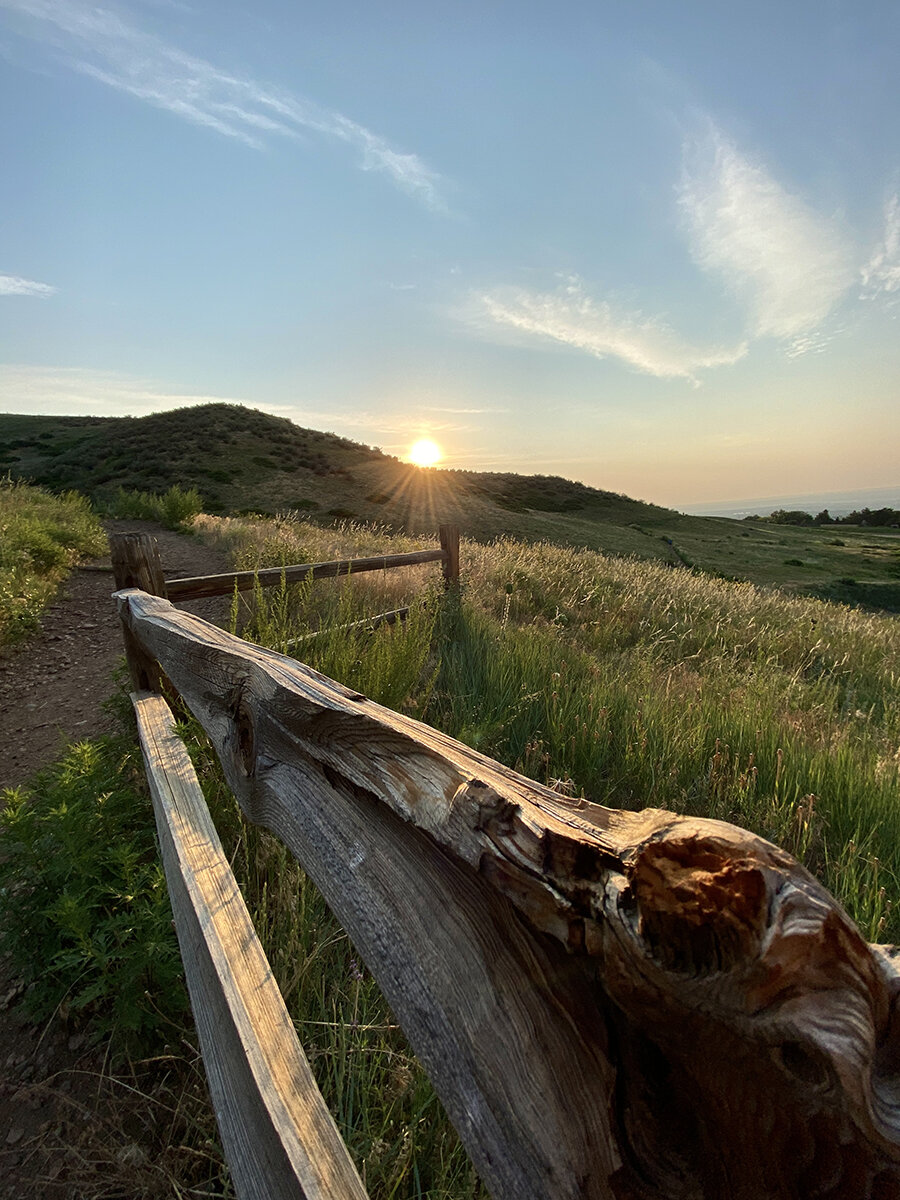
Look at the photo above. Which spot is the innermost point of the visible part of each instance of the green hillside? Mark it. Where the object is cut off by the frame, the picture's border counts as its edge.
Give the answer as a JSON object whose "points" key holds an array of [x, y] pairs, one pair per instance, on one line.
{"points": [[243, 460]]}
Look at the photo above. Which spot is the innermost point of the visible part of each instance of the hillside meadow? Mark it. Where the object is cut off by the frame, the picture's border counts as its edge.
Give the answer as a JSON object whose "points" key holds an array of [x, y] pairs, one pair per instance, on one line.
{"points": [[641, 685], [240, 459], [634, 683]]}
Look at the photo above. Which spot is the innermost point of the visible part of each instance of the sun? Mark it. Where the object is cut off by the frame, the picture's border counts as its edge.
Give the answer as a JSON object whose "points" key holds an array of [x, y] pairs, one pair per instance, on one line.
{"points": [[424, 453]]}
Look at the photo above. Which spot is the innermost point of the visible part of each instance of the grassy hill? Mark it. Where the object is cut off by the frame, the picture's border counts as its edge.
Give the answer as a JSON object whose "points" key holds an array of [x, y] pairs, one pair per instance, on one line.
{"points": [[244, 460]]}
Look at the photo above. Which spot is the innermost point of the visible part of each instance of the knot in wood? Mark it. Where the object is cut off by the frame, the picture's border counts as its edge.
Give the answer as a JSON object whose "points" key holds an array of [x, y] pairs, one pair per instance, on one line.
{"points": [[245, 735], [700, 909]]}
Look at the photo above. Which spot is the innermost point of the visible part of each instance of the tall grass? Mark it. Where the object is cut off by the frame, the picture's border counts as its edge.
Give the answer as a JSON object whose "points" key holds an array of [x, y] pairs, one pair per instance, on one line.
{"points": [[640, 685], [632, 684], [42, 537]]}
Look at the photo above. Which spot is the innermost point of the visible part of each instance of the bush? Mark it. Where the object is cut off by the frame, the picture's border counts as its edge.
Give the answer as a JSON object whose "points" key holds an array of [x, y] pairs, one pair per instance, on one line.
{"points": [[179, 506], [175, 508]]}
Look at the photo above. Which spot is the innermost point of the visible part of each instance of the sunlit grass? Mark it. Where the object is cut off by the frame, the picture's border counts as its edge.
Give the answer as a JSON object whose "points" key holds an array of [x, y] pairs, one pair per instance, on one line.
{"points": [[640, 685], [42, 537]]}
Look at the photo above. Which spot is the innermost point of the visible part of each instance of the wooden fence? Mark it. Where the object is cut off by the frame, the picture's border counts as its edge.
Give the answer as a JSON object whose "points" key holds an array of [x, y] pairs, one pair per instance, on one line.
{"points": [[616, 1005]]}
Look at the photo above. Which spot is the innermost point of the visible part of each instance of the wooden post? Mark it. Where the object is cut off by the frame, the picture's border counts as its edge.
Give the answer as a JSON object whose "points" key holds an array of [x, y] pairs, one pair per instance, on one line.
{"points": [[136, 564], [135, 560], [450, 546]]}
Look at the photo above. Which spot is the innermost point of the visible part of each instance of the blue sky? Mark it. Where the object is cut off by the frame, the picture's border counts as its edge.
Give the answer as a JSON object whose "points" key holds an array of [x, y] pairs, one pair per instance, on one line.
{"points": [[651, 246]]}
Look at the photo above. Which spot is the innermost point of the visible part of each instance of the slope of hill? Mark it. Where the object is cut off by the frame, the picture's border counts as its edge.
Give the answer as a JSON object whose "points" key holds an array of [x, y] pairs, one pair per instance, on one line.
{"points": [[244, 460]]}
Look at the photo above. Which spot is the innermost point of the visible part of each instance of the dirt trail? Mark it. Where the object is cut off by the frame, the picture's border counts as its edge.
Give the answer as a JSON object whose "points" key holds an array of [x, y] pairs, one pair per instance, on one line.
{"points": [[52, 689], [51, 693]]}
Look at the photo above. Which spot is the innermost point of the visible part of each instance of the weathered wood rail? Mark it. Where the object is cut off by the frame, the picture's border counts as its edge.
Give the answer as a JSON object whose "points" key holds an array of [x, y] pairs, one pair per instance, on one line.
{"points": [[279, 1137], [136, 564], [612, 1005]]}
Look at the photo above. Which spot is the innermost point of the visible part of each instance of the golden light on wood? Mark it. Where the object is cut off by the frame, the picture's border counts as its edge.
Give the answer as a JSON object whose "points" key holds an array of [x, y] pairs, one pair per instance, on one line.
{"points": [[425, 453]]}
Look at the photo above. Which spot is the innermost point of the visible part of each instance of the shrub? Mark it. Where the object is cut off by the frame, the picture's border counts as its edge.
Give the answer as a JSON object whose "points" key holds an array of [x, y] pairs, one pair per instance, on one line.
{"points": [[175, 508], [179, 506]]}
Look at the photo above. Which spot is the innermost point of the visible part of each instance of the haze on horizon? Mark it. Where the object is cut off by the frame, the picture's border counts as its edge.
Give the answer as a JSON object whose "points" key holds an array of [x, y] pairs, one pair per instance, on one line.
{"points": [[655, 249]]}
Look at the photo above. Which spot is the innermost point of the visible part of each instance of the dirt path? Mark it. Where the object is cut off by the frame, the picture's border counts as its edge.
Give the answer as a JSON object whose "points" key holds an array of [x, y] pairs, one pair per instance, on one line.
{"points": [[52, 689], [51, 693]]}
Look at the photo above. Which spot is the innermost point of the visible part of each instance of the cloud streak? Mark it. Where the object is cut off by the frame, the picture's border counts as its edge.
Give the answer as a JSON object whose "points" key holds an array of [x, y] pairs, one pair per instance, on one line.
{"points": [[80, 390], [14, 285], [98, 43], [789, 265], [881, 274], [571, 317]]}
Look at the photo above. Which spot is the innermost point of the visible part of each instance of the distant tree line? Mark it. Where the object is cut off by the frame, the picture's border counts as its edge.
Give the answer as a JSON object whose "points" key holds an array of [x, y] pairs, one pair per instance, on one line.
{"points": [[864, 516]]}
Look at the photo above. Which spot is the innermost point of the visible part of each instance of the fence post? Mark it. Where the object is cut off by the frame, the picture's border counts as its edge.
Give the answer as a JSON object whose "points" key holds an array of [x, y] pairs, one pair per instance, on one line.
{"points": [[450, 545], [136, 564]]}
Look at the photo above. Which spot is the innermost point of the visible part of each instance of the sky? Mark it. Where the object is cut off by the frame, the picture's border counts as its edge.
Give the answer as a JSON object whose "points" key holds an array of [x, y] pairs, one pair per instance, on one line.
{"points": [[654, 247]]}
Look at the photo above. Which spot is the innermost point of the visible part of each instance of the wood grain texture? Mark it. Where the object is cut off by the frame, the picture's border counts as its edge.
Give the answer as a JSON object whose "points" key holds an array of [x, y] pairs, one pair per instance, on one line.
{"points": [[136, 564], [449, 535], [279, 1137], [224, 585], [610, 1004]]}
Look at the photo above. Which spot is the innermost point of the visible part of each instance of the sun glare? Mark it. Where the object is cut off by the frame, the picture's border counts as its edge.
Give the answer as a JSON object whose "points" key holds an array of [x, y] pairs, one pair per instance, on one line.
{"points": [[425, 453]]}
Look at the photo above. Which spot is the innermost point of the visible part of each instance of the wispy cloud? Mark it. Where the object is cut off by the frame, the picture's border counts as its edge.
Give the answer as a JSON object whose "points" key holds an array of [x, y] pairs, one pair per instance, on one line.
{"points": [[100, 43], [466, 411], [881, 274], [82, 391], [14, 285], [570, 316], [788, 264]]}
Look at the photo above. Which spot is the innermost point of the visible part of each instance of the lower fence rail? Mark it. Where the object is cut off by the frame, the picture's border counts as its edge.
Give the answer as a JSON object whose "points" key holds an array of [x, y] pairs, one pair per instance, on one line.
{"points": [[279, 1137]]}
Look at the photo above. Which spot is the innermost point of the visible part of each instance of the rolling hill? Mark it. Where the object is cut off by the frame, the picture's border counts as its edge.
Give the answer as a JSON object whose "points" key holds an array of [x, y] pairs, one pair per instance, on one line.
{"points": [[244, 460]]}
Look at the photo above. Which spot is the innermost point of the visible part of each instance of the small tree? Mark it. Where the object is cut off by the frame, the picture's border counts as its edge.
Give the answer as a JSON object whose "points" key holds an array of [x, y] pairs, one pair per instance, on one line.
{"points": [[790, 516]]}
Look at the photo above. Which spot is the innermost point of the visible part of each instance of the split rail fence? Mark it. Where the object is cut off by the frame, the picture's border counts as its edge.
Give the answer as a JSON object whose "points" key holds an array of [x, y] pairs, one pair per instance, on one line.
{"points": [[611, 1005]]}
